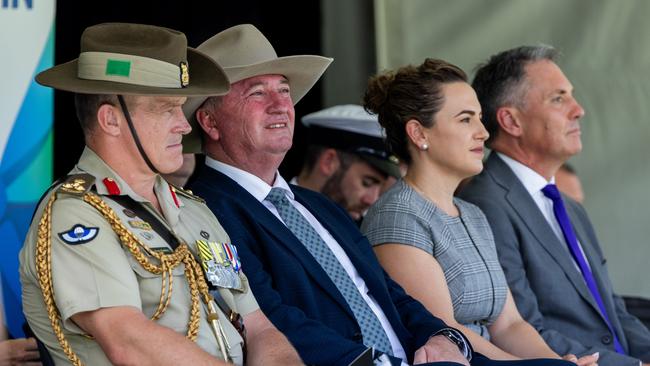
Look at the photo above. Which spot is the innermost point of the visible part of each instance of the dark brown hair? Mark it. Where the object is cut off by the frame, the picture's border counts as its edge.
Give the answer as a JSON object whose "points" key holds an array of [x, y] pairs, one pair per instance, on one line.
{"points": [[86, 106], [411, 92]]}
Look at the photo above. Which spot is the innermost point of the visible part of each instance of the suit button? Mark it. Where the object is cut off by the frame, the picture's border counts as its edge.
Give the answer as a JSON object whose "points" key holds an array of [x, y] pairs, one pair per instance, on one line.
{"points": [[358, 337], [606, 339]]}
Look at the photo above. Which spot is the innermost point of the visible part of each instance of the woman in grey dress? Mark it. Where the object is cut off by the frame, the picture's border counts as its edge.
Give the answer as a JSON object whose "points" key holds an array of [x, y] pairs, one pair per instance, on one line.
{"points": [[438, 247]]}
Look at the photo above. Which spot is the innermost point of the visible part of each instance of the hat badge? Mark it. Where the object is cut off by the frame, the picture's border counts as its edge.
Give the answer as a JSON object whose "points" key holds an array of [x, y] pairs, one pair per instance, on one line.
{"points": [[185, 74]]}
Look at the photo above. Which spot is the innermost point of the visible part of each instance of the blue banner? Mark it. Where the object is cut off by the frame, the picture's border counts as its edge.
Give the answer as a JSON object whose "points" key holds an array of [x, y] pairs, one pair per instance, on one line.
{"points": [[26, 116]]}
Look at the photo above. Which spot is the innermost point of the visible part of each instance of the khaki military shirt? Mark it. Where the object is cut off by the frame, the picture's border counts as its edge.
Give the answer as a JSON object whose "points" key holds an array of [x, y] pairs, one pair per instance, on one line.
{"points": [[92, 270]]}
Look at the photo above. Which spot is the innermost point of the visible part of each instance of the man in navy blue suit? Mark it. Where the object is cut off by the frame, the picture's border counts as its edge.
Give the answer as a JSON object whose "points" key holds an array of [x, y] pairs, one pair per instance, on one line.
{"points": [[312, 271]]}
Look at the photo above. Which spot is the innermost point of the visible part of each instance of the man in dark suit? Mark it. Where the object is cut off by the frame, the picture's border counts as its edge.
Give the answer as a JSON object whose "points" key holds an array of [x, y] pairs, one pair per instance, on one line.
{"points": [[247, 134], [545, 241], [312, 271]]}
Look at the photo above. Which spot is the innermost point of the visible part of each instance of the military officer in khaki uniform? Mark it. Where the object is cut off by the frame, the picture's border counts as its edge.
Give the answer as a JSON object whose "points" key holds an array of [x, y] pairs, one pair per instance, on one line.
{"points": [[120, 267]]}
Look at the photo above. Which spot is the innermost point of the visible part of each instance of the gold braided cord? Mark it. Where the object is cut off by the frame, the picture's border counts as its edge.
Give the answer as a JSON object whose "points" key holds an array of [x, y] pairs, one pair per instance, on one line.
{"points": [[165, 295], [44, 271], [204, 290], [197, 286], [195, 312]]}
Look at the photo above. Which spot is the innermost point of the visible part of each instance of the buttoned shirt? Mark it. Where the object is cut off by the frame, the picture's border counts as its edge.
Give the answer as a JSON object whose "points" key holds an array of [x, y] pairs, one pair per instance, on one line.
{"points": [[99, 272]]}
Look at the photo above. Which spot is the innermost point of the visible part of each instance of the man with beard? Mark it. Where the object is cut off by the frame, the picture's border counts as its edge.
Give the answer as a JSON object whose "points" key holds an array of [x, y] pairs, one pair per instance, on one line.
{"points": [[347, 159]]}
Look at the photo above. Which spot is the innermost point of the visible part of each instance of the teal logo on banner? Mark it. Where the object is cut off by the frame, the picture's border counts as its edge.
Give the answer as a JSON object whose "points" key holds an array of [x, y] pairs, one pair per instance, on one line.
{"points": [[26, 113]]}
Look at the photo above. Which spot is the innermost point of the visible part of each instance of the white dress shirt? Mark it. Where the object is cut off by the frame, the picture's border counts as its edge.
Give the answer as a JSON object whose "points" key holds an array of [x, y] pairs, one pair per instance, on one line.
{"points": [[259, 189], [534, 183]]}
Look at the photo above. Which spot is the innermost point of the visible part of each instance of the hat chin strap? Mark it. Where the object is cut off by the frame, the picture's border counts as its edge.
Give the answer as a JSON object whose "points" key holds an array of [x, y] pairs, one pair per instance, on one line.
{"points": [[135, 135]]}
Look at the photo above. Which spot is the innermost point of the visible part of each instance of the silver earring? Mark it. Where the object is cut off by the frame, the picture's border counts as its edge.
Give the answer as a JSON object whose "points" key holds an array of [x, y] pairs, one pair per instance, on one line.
{"points": [[424, 147]]}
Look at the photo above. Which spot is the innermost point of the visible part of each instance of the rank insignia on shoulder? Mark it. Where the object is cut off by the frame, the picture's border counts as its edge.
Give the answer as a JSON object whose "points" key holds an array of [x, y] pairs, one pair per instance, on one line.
{"points": [[79, 234], [186, 193], [77, 184]]}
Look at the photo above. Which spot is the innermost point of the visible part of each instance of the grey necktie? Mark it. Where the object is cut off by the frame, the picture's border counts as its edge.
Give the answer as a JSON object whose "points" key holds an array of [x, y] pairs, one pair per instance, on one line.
{"points": [[371, 329]]}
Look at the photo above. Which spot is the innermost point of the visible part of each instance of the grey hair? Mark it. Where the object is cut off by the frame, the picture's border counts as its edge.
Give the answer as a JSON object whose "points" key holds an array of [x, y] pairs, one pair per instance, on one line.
{"points": [[501, 81]]}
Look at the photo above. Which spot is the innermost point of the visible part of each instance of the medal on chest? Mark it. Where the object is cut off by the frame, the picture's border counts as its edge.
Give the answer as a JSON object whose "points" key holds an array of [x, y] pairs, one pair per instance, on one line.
{"points": [[220, 263]]}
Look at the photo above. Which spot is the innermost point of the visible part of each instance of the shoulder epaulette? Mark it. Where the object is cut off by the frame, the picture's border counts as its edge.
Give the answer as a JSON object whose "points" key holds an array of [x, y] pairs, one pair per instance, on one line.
{"points": [[187, 193], [77, 184]]}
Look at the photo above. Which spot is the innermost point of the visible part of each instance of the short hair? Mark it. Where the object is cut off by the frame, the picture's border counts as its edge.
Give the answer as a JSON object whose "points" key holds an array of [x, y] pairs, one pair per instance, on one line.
{"points": [[500, 81], [411, 92], [211, 102], [346, 159], [313, 153], [86, 106]]}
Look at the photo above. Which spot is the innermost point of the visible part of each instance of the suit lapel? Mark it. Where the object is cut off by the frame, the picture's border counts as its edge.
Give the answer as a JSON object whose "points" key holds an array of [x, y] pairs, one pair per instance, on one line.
{"points": [[274, 227], [349, 246], [330, 223], [522, 203], [373, 276]]}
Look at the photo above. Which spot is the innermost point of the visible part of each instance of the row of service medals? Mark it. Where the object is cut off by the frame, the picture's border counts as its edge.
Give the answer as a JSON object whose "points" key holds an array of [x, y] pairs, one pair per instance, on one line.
{"points": [[220, 263]]}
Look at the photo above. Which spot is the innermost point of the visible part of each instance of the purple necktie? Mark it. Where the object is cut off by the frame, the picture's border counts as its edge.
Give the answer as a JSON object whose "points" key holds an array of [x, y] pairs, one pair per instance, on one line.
{"points": [[562, 217]]}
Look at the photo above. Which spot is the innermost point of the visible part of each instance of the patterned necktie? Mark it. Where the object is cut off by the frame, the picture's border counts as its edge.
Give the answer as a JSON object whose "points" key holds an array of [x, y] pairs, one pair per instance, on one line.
{"points": [[562, 217], [371, 329]]}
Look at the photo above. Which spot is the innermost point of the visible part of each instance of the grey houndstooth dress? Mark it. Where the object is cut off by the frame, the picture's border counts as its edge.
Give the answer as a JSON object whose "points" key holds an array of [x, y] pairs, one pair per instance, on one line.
{"points": [[464, 247]]}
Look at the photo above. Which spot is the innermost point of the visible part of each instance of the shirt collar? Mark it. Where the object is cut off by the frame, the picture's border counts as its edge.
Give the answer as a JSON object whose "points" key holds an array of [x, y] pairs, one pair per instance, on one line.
{"points": [[91, 163], [250, 182], [532, 181], [169, 202]]}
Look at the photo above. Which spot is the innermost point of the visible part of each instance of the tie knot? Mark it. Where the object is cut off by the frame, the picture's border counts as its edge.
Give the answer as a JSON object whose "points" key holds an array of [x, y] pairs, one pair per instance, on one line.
{"points": [[552, 192], [276, 196]]}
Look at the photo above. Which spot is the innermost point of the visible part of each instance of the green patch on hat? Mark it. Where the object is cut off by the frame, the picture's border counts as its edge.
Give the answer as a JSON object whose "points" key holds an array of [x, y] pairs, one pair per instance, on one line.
{"points": [[118, 68]]}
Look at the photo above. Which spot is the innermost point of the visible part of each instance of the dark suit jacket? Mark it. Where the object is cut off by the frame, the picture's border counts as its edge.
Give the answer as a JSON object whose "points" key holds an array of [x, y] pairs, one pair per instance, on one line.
{"points": [[291, 287], [548, 289]]}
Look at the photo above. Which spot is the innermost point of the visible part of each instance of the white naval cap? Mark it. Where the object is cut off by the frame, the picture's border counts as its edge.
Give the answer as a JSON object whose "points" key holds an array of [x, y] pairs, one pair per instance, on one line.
{"points": [[351, 128], [349, 117]]}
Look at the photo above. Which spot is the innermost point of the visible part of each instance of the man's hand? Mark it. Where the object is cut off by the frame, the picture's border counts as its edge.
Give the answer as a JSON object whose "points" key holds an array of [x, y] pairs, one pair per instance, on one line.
{"points": [[438, 349], [589, 360], [266, 345], [19, 352]]}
